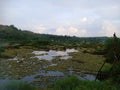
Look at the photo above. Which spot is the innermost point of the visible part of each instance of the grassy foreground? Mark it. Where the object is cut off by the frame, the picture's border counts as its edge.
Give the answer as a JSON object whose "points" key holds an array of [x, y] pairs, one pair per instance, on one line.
{"points": [[16, 85], [73, 83], [69, 83]]}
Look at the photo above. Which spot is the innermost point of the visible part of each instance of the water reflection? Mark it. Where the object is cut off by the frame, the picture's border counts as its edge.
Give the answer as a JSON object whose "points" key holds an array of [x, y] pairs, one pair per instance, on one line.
{"points": [[39, 52], [41, 75], [65, 57], [45, 57], [44, 74], [51, 54]]}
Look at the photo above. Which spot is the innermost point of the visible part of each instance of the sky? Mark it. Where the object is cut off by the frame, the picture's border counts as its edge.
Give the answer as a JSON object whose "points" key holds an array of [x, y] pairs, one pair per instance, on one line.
{"points": [[82, 18]]}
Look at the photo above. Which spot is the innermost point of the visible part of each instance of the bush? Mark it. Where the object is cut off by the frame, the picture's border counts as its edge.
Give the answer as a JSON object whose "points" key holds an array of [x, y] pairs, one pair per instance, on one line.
{"points": [[109, 48], [112, 48], [67, 84], [73, 83]]}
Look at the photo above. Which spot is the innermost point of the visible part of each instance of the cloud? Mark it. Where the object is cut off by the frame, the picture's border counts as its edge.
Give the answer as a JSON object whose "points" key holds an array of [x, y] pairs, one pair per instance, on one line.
{"points": [[84, 4], [109, 28], [71, 31], [37, 28], [110, 13], [76, 17], [84, 20]]}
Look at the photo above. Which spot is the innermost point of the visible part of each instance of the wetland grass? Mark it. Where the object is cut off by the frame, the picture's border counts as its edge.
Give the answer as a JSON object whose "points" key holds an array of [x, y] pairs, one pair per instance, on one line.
{"points": [[73, 83], [80, 61], [17, 85]]}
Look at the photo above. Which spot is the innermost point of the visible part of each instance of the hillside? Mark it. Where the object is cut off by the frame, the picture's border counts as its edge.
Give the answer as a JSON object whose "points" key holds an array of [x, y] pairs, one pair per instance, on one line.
{"points": [[13, 33]]}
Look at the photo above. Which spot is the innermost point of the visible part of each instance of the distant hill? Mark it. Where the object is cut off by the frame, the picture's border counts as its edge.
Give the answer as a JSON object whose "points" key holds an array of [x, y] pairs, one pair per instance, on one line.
{"points": [[11, 33]]}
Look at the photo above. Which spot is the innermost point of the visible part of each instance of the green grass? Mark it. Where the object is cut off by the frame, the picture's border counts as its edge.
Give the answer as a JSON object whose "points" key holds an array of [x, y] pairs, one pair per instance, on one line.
{"points": [[17, 85], [16, 70], [69, 83], [73, 83], [80, 62]]}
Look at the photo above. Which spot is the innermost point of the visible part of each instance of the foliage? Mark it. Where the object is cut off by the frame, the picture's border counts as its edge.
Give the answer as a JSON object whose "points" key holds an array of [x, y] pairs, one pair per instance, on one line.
{"points": [[73, 83], [67, 84], [15, 35], [109, 48], [112, 49]]}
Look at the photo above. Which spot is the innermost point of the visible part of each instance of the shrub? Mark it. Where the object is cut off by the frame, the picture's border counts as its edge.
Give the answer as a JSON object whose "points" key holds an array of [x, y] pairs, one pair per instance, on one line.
{"points": [[73, 83], [109, 48]]}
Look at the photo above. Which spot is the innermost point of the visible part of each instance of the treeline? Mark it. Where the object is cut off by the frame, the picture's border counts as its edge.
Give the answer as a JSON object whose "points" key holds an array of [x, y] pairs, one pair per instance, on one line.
{"points": [[13, 33], [12, 36]]}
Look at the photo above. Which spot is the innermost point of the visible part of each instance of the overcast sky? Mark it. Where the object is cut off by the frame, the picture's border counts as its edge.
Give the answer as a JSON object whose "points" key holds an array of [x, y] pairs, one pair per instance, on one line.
{"points": [[63, 17]]}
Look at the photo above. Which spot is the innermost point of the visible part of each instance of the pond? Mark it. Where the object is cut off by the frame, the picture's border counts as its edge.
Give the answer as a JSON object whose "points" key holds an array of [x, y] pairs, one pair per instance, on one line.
{"points": [[37, 62], [56, 74], [51, 54], [43, 78]]}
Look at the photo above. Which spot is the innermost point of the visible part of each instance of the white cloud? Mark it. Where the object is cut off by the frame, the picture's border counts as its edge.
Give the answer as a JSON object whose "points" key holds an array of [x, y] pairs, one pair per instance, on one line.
{"points": [[109, 28], [110, 13], [88, 15], [84, 20], [71, 31], [37, 28]]}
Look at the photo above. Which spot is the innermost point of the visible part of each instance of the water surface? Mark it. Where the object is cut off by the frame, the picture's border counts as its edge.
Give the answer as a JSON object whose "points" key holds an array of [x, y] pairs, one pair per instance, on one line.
{"points": [[51, 54]]}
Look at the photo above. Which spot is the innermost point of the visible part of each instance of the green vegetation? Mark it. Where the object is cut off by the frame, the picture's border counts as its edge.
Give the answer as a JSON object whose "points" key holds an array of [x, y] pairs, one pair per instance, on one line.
{"points": [[69, 83], [109, 48], [16, 37], [112, 48], [19, 44], [17, 85], [19, 68], [80, 62], [73, 83]]}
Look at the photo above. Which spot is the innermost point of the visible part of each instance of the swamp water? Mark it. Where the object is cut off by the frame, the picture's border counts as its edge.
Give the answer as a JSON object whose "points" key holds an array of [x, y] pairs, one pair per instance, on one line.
{"points": [[51, 54], [42, 77]]}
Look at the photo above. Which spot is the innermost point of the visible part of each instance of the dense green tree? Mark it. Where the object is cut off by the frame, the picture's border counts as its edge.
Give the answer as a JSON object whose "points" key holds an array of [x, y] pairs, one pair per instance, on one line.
{"points": [[110, 50]]}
